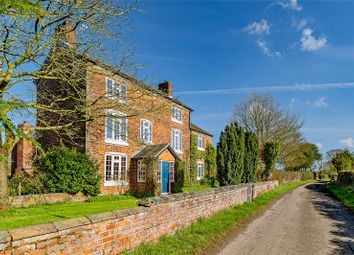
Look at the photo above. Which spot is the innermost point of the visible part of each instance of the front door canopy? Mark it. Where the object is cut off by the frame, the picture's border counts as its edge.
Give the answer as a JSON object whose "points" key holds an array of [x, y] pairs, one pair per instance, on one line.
{"points": [[154, 151]]}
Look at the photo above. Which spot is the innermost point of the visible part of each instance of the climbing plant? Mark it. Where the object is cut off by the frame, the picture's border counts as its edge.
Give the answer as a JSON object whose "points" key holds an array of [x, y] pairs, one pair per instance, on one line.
{"points": [[193, 159]]}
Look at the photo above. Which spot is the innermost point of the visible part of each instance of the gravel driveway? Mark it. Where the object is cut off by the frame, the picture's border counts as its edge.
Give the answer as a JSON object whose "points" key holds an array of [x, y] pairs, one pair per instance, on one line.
{"points": [[306, 221]]}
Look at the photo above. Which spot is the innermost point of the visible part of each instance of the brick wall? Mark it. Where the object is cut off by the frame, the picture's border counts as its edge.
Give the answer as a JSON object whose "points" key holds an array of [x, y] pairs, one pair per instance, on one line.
{"points": [[28, 200], [117, 231]]}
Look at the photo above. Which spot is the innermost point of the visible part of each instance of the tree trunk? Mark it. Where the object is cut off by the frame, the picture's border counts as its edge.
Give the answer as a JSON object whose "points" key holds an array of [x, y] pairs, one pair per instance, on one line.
{"points": [[4, 198]]}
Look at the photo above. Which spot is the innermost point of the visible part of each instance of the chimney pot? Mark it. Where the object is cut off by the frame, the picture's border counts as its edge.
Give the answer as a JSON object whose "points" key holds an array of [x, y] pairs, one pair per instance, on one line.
{"points": [[166, 87]]}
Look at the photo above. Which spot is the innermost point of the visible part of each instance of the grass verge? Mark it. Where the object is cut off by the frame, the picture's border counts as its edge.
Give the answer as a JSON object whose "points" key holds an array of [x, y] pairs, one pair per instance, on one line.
{"points": [[21, 217], [343, 194], [206, 231]]}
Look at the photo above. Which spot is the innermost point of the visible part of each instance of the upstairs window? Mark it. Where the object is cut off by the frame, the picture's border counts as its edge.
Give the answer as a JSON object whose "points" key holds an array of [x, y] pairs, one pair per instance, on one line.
{"points": [[116, 170], [177, 140], [176, 114], [116, 127], [115, 90], [200, 141], [145, 131]]}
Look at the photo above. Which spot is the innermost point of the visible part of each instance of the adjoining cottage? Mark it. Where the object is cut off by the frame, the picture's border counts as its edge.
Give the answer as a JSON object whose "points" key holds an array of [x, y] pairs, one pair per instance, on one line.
{"points": [[136, 147]]}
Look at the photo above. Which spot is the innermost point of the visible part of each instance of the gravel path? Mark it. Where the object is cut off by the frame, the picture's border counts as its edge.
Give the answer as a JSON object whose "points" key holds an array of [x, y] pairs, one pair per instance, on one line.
{"points": [[306, 221]]}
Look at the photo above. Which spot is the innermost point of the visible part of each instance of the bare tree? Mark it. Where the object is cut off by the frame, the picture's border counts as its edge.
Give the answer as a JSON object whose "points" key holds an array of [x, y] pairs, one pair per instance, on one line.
{"points": [[50, 43], [261, 114]]}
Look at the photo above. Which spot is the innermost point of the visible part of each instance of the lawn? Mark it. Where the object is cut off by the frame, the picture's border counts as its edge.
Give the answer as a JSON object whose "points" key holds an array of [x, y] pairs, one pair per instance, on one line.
{"points": [[206, 231], [344, 194], [21, 217], [197, 188]]}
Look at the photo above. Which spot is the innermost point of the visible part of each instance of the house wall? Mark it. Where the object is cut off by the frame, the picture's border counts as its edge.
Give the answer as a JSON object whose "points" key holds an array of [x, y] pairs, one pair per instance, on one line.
{"points": [[207, 139], [141, 105], [118, 231]]}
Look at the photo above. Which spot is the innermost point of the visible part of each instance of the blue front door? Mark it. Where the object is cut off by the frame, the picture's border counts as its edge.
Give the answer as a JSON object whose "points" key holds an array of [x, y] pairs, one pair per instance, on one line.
{"points": [[165, 177]]}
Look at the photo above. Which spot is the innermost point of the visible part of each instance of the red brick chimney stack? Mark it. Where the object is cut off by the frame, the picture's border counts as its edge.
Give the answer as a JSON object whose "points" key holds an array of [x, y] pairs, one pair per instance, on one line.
{"points": [[67, 33], [22, 153], [166, 87]]}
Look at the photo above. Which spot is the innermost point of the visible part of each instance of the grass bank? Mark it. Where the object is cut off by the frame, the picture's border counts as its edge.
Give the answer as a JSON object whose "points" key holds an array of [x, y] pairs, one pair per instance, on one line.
{"points": [[206, 231], [343, 194], [21, 217]]}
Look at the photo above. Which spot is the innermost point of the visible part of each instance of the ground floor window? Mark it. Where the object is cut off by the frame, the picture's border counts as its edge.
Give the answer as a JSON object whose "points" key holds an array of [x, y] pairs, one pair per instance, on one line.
{"points": [[200, 170], [172, 171], [116, 170], [141, 171]]}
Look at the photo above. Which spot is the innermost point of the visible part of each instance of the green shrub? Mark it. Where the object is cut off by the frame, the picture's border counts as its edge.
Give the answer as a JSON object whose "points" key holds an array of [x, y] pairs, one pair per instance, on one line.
{"points": [[66, 170], [193, 159], [271, 155], [24, 184], [105, 198], [305, 176], [177, 185], [210, 161], [291, 176], [346, 178]]}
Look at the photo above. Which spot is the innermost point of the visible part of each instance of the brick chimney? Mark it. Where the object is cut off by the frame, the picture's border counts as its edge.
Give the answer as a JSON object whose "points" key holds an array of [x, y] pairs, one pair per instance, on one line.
{"points": [[22, 153], [166, 87], [67, 33]]}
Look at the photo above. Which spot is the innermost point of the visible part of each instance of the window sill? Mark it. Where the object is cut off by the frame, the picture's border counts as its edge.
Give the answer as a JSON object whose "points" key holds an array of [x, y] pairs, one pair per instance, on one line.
{"points": [[199, 178], [179, 152], [141, 181], [201, 149], [114, 142], [177, 121], [116, 183]]}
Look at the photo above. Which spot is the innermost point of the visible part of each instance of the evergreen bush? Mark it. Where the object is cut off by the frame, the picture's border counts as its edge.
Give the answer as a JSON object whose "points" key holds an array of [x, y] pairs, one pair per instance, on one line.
{"points": [[66, 170]]}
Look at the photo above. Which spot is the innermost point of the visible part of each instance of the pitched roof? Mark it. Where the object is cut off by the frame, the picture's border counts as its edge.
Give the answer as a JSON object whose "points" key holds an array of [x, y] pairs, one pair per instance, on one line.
{"points": [[153, 151], [199, 130], [139, 83]]}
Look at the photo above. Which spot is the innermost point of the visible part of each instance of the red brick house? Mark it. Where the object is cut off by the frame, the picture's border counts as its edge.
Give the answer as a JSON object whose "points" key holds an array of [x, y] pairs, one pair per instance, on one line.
{"points": [[203, 138], [137, 145]]}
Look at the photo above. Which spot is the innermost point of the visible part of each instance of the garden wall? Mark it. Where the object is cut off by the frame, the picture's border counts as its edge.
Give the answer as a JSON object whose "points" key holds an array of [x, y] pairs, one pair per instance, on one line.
{"points": [[117, 231], [28, 200]]}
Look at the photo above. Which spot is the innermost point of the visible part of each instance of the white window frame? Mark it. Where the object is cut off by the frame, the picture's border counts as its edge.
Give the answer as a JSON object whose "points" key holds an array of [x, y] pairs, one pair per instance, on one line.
{"points": [[120, 181], [116, 92], [174, 108], [117, 118], [174, 145], [141, 171], [201, 164], [201, 142], [142, 140], [172, 171]]}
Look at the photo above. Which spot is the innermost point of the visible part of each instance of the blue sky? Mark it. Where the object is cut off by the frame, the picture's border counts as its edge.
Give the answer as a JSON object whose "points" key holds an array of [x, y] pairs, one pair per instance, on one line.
{"points": [[218, 52]]}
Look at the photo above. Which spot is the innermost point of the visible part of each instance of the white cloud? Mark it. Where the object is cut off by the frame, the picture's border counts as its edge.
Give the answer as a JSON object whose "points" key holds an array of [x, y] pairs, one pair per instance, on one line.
{"points": [[290, 4], [347, 142], [266, 50], [258, 28], [310, 43], [279, 88], [299, 24], [319, 145], [320, 103]]}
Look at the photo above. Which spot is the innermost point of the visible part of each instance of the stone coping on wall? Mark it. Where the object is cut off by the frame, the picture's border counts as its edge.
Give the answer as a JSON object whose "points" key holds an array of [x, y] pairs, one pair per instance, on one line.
{"points": [[185, 195]]}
